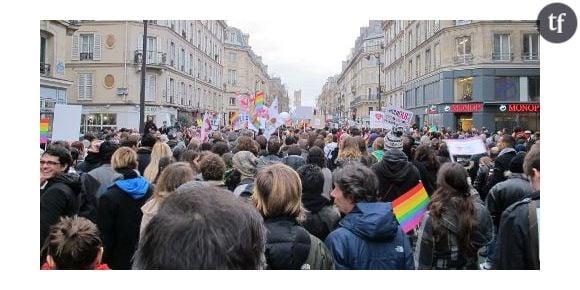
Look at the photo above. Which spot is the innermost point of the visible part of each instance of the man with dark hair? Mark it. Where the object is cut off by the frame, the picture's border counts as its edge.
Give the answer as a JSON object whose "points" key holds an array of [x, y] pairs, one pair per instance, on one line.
{"points": [[273, 152], [105, 173], [144, 152], [517, 246], [200, 228], [369, 236], [321, 217], [502, 162]]}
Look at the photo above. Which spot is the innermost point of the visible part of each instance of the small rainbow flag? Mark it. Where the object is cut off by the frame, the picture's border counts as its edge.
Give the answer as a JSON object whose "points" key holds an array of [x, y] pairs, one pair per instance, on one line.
{"points": [[44, 130], [259, 100], [410, 207], [234, 117]]}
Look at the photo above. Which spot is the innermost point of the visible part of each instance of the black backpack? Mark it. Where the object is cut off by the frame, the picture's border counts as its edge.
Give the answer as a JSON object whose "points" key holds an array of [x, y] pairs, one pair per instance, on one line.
{"points": [[331, 164]]}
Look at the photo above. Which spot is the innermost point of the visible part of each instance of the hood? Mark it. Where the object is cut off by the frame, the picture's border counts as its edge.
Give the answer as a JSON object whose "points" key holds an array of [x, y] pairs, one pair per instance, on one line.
{"points": [[135, 187], [395, 166], [92, 157], [372, 221], [484, 232], [73, 180]]}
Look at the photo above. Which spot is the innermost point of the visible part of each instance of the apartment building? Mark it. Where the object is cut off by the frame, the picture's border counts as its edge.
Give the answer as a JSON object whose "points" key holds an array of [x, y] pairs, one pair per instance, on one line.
{"points": [[461, 74], [183, 78], [359, 81], [246, 74], [327, 101], [54, 84]]}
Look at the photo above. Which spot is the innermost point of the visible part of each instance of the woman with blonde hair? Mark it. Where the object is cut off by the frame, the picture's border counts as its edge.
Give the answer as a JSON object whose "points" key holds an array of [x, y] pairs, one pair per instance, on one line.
{"points": [[119, 214], [160, 150], [349, 151], [170, 179], [278, 198]]}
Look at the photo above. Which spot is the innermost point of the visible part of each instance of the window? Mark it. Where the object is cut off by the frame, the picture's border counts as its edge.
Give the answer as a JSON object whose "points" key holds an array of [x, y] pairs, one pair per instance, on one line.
{"points": [[191, 64], [436, 56], [232, 57], [182, 94], [369, 91], [418, 33], [436, 25], [507, 88], [182, 60], [150, 88], [410, 71], [418, 64], [97, 122], [151, 50], [171, 91], [232, 101], [232, 77], [464, 89], [172, 54], [87, 45], [463, 49], [534, 89], [198, 68], [501, 47], [531, 47], [85, 86], [410, 38], [427, 60]]}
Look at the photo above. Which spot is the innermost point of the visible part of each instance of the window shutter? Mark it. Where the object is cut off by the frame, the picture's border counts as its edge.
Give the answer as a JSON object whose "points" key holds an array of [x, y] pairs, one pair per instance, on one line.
{"points": [[89, 86], [81, 86], [97, 55], [140, 42], [167, 87], [75, 47], [150, 88]]}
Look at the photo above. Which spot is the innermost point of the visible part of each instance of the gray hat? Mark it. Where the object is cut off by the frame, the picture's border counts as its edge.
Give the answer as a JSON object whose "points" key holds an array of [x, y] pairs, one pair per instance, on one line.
{"points": [[394, 139], [246, 163]]}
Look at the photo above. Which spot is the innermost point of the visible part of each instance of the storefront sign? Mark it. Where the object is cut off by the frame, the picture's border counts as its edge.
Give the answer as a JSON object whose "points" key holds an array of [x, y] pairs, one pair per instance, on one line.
{"points": [[520, 108], [464, 108], [454, 108]]}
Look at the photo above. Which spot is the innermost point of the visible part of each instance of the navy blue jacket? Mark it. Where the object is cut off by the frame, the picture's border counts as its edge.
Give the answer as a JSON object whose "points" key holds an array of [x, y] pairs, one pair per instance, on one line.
{"points": [[369, 237]]}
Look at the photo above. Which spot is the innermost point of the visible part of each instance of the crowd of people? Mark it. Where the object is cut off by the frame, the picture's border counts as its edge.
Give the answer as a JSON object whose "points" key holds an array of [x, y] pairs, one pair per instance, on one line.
{"points": [[302, 198]]}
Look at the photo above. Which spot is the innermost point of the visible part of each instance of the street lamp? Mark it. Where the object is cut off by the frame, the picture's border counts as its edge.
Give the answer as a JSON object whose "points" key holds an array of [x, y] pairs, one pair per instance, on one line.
{"points": [[377, 55]]}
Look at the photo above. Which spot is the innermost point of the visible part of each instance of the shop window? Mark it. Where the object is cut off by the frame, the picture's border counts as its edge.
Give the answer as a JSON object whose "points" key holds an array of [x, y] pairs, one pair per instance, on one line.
{"points": [[464, 89], [534, 89], [507, 88]]}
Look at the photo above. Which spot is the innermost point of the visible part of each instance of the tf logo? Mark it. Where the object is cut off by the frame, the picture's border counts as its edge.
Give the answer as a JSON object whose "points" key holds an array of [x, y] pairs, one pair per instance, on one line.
{"points": [[503, 108]]}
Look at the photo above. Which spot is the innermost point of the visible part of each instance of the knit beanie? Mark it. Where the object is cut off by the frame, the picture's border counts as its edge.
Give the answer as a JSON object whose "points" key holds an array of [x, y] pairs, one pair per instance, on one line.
{"points": [[517, 163], [246, 163], [394, 139]]}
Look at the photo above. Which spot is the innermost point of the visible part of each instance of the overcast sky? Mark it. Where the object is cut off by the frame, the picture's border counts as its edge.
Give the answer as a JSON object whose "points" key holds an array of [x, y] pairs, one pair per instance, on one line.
{"points": [[302, 53]]}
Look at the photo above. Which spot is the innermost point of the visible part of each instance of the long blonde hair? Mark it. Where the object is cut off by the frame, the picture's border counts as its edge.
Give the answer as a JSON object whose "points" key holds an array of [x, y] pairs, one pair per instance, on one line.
{"points": [[160, 150], [278, 192], [350, 149]]}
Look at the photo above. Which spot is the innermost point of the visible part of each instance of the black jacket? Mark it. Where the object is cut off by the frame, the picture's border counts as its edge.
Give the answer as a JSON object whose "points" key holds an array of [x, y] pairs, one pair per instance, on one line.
{"points": [[505, 193], [513, 250], [287, 245], [396, 175], [428, 174], [143, 157], [119, 220], [92, 161], [501, 165], [58, 199]]}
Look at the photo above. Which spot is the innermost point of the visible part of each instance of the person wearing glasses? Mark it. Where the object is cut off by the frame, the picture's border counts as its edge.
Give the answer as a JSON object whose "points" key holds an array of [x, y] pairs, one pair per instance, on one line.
{"points": [[57, 189]]}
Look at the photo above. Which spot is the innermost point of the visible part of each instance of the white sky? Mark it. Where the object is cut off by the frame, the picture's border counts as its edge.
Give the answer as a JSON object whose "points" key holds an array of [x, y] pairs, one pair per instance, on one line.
{"points": [[303, 53]]}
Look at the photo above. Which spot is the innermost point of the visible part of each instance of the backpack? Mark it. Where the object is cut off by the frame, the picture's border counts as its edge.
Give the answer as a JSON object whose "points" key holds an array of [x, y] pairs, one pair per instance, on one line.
{"points": [[87, 204], [331, 164], [319, 257]]}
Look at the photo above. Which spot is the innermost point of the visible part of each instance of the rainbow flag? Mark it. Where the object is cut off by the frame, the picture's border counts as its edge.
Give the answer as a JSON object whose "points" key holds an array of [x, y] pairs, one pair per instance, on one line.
{"points": [[410, 207], [44, 130], [259, 100], [234, 117]]}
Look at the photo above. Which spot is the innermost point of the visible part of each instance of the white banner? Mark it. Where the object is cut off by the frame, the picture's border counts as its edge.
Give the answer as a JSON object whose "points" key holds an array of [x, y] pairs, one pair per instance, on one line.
{"points": [[377, 120], [398, 117], [469, 146], [303, 113], [67, 122]]}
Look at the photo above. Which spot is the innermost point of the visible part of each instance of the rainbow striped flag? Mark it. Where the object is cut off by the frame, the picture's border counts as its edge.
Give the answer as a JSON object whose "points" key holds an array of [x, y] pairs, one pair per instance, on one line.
{"points": [[234, 117], [259, 100], [410, 207], [44, 130]]}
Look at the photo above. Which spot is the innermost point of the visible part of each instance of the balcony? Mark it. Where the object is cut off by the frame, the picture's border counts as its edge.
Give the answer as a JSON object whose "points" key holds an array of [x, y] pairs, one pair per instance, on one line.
{"points": [[526, 56], [155, 59], [502, 56], [44, 69], [463, 59]]}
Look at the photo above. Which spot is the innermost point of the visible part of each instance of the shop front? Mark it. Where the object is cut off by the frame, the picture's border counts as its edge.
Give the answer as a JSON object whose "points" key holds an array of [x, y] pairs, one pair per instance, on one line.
{"points": [[511, 115], [457, 116]]}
